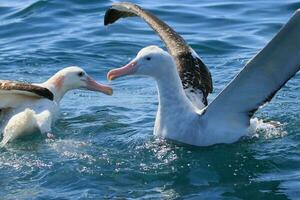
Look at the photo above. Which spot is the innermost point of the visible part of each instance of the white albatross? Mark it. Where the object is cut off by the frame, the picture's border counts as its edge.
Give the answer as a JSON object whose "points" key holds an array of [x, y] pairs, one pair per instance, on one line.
{"points": [[227, 118], [26, 108]]}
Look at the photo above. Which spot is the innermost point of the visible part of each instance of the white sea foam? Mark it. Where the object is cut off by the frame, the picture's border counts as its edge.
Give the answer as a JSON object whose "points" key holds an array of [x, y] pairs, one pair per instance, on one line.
{"points": [[270, 129]]}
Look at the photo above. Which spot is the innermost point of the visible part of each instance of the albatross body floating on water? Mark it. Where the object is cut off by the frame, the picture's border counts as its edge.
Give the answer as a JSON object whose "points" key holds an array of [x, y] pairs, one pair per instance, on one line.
{"points": [[25, 108], [227, 118]]}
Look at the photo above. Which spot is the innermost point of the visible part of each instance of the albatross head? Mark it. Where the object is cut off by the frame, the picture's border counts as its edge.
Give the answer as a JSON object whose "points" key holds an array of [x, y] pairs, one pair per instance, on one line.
{"points": [[150, 61], [74, 78]]}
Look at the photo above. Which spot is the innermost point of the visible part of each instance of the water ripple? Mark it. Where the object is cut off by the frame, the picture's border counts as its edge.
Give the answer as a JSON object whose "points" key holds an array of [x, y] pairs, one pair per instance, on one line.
{"points": [[105, 148]]}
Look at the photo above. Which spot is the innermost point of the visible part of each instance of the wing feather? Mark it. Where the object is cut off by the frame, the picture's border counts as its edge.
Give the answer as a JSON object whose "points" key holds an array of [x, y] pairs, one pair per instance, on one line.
{"points": [[262, 77], [13, 93], [194, 74]]}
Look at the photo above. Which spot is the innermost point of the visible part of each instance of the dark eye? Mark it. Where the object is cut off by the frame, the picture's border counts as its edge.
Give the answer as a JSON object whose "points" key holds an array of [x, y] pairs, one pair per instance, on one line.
{"points": [[148, 58], [81, 74]]}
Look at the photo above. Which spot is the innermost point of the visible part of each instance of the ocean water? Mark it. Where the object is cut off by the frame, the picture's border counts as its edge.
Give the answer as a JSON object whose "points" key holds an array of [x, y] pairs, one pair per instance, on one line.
{"points": [[105, 148]]}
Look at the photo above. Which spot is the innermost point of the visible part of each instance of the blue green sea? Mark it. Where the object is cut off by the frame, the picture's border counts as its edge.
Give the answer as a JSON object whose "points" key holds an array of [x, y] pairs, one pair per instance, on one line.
{"points": [[105, 148]]}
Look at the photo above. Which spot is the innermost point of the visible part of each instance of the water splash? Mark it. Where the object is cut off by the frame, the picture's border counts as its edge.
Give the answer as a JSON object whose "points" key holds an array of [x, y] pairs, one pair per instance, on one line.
{"points": [[266, 129]]}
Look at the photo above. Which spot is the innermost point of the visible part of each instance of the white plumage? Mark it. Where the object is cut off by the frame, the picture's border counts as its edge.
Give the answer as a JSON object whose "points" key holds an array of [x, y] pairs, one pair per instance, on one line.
{"points": [[227, 118], [26, 112]]}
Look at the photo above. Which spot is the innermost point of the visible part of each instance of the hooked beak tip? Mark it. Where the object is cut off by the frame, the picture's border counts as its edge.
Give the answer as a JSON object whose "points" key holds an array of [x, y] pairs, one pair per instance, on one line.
{"points": [[94, 86], [110, 92], [110, 77]]}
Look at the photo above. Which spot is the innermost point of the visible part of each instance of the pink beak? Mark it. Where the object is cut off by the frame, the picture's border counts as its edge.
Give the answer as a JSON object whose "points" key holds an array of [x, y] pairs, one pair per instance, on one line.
{"points": [[122, 71], [94, 86]]}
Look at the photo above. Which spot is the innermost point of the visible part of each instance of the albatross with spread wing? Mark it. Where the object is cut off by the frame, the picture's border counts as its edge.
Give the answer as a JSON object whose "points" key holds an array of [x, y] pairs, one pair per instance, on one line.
{"points": [[227, 118]]}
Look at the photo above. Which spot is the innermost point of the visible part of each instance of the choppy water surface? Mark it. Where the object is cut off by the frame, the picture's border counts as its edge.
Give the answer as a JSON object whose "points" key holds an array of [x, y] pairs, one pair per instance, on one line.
{"points": [[105, 147]]}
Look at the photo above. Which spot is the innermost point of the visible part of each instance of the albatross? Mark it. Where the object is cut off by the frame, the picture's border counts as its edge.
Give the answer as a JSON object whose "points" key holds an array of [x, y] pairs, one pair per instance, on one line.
{"points": [[194, 74], [26, 108], [227, 118]]}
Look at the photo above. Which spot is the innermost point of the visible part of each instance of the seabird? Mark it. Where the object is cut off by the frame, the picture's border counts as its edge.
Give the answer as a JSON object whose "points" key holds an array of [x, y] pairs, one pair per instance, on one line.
{"points": [[227, 118], [195, 76], [26, 108]]}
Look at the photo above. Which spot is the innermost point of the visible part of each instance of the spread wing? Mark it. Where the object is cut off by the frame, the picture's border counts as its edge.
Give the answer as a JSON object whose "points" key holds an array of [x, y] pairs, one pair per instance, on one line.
{"points": [[195, 76], [261, 78], [13, 94]]}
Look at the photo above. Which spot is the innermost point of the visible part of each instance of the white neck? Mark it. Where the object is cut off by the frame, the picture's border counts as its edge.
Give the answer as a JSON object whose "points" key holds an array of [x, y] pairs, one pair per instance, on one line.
{"points": [[174, 107], [171, 93]]}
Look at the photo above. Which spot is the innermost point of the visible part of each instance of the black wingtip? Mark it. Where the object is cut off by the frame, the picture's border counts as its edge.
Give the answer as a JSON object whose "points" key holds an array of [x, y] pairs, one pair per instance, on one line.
{"points": [[107, 17], [44, 92], [114, 13], [50, 95]]}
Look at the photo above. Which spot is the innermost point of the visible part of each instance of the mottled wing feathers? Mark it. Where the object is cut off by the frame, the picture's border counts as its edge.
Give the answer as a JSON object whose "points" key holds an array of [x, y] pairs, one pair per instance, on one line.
{"points": [[26, 89], [194, 74]]}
